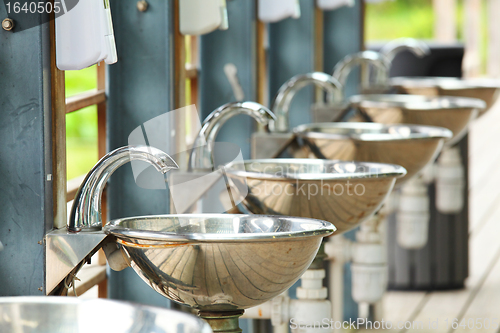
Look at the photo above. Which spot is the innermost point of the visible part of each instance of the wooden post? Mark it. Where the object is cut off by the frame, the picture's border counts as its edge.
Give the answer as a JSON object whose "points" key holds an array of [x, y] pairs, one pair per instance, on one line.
{"points": [[471, 65], [493, 65], [445, 22]]}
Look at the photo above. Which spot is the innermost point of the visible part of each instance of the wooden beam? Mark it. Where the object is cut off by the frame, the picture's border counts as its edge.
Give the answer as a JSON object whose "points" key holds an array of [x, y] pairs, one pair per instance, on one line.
{"points": [[445, 21], [471, 65], [191, 71], [101, 144], [58, 136], [85, 99], [89, 275], [493, 38], [72, 187]]}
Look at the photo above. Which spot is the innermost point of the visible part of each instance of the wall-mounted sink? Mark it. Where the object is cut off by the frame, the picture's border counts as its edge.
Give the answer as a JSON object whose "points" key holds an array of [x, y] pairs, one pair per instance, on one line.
{"points": [[454, 113], [219, 262], [410, 146], [69, 314], [487, 90], [344, 193]]}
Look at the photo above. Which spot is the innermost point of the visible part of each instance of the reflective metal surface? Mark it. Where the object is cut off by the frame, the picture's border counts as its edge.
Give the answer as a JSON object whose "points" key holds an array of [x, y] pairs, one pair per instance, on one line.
{"points": [[453, 113], [68, 314], [344, 193], [410, 146], [287, 91], [486, 89], [86, 209], [219, 262], [201, 155], [392, 48], [66, 250], [380, 63]]}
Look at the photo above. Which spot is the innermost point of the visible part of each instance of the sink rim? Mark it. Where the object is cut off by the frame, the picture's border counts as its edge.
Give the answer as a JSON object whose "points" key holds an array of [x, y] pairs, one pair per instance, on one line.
{"points": [[114, 227], [115, 308], [423, 132], [396, 171], [447, 83], [416, 102]]}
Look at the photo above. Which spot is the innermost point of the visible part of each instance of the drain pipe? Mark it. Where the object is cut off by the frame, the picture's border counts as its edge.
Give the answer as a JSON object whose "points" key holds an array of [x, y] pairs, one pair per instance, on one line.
{"points": [[369, 263], [305, 314], [413, 214], [450, 182]]}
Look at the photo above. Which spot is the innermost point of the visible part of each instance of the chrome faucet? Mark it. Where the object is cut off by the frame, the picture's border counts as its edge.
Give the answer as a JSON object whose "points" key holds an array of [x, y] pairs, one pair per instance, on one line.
{"points": [[418, 47], [201, 155], [282, 101], [380, 62], [86, 210]]}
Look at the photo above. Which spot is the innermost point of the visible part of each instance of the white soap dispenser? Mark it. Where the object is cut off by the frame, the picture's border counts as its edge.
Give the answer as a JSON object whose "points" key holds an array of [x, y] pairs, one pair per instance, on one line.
{"points": [[271, 11], [84, 35], [199, 17]]}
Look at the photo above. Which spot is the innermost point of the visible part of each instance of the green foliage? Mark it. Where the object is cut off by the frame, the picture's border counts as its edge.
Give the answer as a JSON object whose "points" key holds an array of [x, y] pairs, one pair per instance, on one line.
{"points": [[399, 18], [81, 126]]}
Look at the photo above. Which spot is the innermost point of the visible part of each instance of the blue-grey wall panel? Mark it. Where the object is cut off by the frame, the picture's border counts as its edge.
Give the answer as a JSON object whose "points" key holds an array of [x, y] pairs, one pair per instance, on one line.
{"points": [[139, 88], [236, 45], [291, 52], [25, 133], [342, 36]]}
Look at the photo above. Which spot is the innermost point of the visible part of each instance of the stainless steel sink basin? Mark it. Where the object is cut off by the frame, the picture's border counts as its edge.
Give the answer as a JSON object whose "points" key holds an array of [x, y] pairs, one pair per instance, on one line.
{"points": [[344, 193], [67, 314], [487, 90], [410, 146], [219, 262], [454, 113]]}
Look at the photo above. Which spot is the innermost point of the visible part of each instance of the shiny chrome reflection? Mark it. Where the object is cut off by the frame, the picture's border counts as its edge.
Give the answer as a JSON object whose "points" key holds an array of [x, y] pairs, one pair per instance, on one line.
{"points": [[487, 90], [454, 113], [344, 193], [67, 314], [219, 262], [287, 91], [380, 63], [86, 210], [201, 154], [410, 146], [417, 47]]}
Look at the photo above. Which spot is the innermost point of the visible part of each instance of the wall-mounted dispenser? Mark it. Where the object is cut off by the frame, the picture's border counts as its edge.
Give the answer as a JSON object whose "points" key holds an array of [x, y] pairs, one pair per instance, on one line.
{"points": [[277, 10], [334, 4], [84, 35], [199, 17]]}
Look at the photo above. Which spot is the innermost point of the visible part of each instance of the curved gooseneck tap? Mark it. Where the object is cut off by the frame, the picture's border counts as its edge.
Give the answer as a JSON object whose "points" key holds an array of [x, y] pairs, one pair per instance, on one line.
{"points": [[381, 63], [86, 210], [201, 155], [418, 47], [282, 101]]}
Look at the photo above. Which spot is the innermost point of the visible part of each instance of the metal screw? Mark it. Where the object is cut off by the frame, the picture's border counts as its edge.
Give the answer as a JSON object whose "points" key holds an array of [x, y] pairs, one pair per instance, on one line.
{"points": [[142, 5], [8, 24], [41, 288]]}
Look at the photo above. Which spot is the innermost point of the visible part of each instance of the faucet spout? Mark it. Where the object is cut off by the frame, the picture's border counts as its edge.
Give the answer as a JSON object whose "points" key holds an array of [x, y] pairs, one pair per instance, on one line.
{"points": [[86, 209], [418, 47], [201, 155], [344, 67], [285, 95]]}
